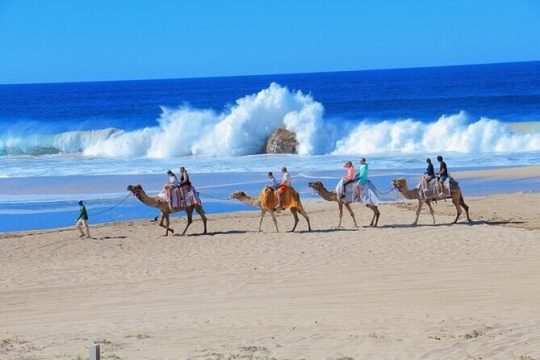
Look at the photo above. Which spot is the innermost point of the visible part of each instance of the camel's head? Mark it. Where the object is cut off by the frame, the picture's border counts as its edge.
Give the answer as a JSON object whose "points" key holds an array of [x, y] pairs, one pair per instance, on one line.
{"points": [[135, 190], [238, 195], [316, 185], [399, 183]]}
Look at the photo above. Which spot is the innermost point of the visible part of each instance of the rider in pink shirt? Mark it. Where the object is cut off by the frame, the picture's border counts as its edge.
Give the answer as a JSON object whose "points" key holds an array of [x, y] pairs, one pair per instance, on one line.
{"points": [[349, 178]]}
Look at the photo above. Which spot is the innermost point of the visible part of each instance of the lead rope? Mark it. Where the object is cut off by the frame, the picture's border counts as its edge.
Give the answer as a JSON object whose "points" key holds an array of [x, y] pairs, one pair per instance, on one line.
{"points": [[112, 207]]}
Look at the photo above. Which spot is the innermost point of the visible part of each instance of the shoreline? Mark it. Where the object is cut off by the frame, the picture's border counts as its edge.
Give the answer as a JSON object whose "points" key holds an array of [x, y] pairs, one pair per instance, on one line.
{"points": [[60, 214], [311, 203]]}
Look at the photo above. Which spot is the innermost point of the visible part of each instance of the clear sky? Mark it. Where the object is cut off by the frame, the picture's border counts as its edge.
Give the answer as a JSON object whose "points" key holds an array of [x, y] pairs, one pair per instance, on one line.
{"points": [[76, 40]]}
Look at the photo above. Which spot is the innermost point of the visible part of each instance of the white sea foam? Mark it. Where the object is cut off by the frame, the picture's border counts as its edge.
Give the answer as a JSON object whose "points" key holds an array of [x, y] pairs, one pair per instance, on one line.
{"points": [[454, 133], [243, 129]]}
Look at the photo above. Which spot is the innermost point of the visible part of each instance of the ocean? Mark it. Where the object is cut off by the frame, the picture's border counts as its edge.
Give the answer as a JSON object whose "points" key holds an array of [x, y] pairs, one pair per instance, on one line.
{"points": [[63, 142]]}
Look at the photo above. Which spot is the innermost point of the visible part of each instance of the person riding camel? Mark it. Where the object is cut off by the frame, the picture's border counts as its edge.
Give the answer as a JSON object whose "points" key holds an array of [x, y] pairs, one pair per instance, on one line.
{"points": [[173, 180], [347, 179], [428, 175], [361, 177], [443, 174], [185, 183], [284, 186], [273, 184], [184, 178]]}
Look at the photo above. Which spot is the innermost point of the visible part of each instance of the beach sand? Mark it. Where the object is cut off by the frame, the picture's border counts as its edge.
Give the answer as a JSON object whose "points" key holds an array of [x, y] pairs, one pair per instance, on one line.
{"points": [[431, 291]]}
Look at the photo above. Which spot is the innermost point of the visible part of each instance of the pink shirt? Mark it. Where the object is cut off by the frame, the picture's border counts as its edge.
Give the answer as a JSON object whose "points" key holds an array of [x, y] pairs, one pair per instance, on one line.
{"points": [[350, 174]]}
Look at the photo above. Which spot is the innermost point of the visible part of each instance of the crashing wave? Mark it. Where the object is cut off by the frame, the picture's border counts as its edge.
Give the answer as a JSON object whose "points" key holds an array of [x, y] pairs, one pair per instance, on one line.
{"points": [[243, 129]]}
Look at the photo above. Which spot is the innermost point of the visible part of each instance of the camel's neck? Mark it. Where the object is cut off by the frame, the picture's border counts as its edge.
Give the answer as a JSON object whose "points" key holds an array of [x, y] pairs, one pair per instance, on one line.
{"points": [[327, 195], [409, 194], [250, 201], [151, 201]]}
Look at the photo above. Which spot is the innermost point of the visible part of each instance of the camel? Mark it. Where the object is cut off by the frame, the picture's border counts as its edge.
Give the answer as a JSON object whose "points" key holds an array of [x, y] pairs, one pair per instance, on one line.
{"points": [[267, 202], [455, 195], [165, 209], [332, 196]]}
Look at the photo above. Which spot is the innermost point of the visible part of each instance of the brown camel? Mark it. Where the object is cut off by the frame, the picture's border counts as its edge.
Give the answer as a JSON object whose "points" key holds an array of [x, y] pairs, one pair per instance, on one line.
{"points": [[332, 196], [165, 208], [455, 195], [268, 201]]}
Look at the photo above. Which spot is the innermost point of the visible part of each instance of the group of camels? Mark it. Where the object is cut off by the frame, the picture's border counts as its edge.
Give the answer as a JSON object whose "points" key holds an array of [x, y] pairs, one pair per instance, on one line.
{"points": [[267, 202]]}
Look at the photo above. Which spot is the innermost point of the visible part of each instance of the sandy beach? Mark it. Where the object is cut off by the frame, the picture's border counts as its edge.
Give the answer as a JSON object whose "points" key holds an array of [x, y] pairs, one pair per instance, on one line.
{"points": [[427, 292]]}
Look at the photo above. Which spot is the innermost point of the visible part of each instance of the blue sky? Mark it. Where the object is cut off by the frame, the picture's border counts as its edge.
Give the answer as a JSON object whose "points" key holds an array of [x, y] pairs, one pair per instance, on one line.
{"points": [[70, 40]]}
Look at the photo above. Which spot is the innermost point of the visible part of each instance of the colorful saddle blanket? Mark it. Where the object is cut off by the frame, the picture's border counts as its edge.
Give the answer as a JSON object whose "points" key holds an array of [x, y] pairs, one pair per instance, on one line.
{"points": [[269, 198], [432, 190], [180, 198]]}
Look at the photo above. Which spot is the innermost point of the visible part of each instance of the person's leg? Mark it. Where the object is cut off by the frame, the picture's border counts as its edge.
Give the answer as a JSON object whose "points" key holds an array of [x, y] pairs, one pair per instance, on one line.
{"points": [[441, 185], [79, 227], [85, 223], [344, 187], [357, 191]]}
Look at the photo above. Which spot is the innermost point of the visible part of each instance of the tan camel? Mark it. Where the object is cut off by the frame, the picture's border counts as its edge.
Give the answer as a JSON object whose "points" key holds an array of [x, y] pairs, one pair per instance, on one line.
{"points": [[418, 194], [332, 196], [267, 202], [165, 208]]}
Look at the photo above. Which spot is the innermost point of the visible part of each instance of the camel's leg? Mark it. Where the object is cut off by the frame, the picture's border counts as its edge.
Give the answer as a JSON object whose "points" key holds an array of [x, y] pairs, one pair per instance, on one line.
{"points": [[456, 202], [340, 207], [303, 213], [420, 204], [202, 214], [348, 206], [378, 213], [161, 221], [166, 225], [261, 219], [189, 212], [373, 218], [462, 203], [294, 212], [431, 210], [274, 219], [372, 208]]}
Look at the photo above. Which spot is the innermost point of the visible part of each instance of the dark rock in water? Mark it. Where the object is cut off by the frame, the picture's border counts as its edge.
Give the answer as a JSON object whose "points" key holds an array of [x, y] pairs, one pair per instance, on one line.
{"points": [[282, 141]]}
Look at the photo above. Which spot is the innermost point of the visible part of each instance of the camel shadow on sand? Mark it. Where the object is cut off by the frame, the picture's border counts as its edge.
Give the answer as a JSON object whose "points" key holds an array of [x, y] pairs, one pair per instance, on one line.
{"points": [[213, 233], [322, 231], [471, 223]]}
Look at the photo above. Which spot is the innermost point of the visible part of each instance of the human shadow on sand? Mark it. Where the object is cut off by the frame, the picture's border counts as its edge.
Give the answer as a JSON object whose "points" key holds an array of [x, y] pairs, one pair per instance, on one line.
{"points": [[111, 237]]}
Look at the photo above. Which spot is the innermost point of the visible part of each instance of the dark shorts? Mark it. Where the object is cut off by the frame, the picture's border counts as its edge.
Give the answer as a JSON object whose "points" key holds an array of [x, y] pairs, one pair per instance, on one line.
{"points": [[443, 178]]}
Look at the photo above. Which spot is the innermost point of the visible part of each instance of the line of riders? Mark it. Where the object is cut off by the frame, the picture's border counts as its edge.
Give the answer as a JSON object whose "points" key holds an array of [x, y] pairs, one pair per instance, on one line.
{"points": [[352, 176]]}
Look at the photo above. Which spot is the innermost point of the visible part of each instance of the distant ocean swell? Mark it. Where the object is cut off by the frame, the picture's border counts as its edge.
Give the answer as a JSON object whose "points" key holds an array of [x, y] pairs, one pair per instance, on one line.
{"points": [[243, 129]]}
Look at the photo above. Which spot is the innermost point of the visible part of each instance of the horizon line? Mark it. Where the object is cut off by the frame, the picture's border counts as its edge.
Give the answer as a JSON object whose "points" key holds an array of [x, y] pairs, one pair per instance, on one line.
{"points": [[268, 74]]}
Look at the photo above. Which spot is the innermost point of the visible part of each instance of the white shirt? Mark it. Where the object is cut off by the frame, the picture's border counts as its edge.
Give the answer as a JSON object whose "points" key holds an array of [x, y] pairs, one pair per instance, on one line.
{"points": [[286, 179], [173, 180]]}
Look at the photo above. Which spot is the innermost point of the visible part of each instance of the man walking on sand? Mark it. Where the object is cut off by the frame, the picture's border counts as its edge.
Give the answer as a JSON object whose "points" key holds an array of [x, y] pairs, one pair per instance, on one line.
{"points": [[82, 221]]}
